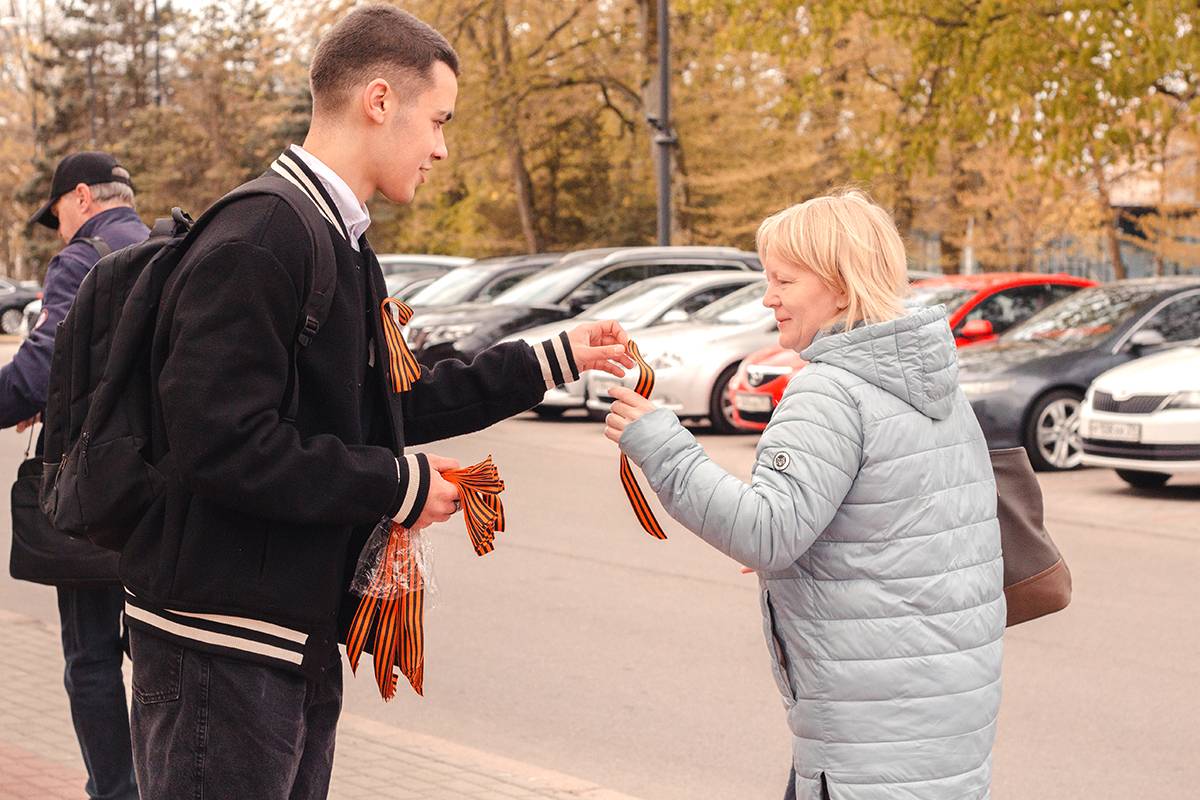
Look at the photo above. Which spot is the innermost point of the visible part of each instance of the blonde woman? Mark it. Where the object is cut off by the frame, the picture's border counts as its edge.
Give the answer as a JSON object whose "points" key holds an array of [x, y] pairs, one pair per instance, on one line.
{"points": [[870, 519]]}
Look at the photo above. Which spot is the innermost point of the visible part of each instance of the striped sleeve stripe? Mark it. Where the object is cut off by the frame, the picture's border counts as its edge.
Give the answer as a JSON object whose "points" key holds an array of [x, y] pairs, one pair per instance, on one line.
{"points": [[556, 360], [300, 180], [236, 638], [415, 469]]}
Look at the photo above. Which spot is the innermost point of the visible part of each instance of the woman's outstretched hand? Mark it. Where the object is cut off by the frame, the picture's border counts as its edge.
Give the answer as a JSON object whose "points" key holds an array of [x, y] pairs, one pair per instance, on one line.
{"points": [[628, 407]]}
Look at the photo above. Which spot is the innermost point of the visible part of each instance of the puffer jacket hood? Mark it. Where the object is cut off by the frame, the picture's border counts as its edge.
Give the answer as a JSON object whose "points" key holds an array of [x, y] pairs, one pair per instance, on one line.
{"points": [[912, 358]]}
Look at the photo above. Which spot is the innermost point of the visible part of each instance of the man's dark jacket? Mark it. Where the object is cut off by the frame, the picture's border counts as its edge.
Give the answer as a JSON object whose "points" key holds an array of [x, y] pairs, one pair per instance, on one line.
{"points": [[250, 551], [24, 380]]}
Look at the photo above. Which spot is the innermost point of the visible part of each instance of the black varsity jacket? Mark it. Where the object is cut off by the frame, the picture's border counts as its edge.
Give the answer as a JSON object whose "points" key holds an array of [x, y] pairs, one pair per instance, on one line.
{"points": [[250, 550]]}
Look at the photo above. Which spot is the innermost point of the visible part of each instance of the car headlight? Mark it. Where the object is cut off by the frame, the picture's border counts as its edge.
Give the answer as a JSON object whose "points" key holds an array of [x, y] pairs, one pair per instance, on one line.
{"points": [[665, 361], [1185, 400], [448, 333], [984, 388]]}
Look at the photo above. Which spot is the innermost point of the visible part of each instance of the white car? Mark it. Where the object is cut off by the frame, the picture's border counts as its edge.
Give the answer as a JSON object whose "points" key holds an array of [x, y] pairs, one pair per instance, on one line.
{"points": [[694, 361], [1143, 418], [645, 304]]}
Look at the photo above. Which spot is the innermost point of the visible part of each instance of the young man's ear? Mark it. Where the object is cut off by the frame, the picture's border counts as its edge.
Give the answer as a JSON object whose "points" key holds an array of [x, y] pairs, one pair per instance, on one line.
{"points": [[377, 98]]}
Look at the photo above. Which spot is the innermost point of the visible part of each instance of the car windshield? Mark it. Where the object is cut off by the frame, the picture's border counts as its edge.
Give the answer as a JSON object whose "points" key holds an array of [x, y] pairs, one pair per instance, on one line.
{"points": [[634, 302], [546, 288], [458, 286], [1084, 317], [743, 306], [952, 297]]}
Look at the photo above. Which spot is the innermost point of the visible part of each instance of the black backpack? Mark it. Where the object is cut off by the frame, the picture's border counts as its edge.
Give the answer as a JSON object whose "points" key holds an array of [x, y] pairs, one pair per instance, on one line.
{"points": [[100, 475]]}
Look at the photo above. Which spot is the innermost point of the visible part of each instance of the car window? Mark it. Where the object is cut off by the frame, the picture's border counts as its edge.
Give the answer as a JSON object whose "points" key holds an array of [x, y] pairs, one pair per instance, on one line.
{"points": [[548, 287], [1060, 290], [634, 302], [503, 284], [694, 302], [743, 306], [1086, 316], [1010, 306], [614, 280], [1179, 320], [453, 287], [675, 268], [952, 297]]}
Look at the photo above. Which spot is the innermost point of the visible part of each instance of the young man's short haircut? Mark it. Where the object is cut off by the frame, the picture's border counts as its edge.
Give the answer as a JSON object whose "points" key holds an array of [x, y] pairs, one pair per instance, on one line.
{"points": [[371, 42]]}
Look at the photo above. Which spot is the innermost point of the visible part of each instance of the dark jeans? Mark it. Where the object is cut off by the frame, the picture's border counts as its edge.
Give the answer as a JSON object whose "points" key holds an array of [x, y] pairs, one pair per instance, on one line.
{"points": [[210, 727], [93, 651]]}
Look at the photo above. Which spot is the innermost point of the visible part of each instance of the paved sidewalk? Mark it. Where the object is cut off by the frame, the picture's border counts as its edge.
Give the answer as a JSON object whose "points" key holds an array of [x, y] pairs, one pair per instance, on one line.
{"points": [[40, 759]]}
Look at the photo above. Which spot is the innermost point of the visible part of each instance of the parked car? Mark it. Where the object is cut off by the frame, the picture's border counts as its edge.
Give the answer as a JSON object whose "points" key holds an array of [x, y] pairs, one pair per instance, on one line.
{"points": [[646, 304], [1027, 387], [1143, 418], [482, 280], [30, 317], [13, 299], [568, 288], [694, 361], [393, 263], [979, 307]]}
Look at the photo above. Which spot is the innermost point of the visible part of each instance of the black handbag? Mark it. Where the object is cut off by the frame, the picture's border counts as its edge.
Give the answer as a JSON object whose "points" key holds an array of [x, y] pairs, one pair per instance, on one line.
{"points": [[42, 554]]}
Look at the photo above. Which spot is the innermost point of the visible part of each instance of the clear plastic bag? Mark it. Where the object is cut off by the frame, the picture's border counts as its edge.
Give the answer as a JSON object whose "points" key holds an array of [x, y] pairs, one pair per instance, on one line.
{"points": [[394, 560]]}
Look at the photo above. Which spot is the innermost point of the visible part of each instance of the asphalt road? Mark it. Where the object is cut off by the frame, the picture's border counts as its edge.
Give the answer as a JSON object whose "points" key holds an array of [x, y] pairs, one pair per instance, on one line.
{"points": [[584, 646]]}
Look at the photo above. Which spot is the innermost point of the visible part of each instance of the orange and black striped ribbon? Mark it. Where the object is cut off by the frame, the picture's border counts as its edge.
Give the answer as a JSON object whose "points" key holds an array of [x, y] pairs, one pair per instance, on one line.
{"points": [[641, 508], [402, 366], [394, 605]]}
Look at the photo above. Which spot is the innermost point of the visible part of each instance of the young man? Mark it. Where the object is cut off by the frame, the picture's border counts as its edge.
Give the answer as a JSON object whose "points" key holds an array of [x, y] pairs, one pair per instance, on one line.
{"points": [[91, 209], [237, 579]]}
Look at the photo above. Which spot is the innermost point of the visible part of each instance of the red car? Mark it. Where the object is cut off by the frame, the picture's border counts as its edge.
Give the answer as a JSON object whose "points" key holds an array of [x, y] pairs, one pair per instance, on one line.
{"points": [[981, 307]]}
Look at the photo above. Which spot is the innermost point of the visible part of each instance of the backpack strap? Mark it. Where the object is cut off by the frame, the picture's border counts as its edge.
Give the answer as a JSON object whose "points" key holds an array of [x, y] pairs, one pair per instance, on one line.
{"points": [[322, 279], [98, 244]]}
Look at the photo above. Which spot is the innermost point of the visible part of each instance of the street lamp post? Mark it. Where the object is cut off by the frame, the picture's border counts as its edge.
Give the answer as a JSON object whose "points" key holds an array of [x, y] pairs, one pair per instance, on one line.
{"points": [[664, 137]]}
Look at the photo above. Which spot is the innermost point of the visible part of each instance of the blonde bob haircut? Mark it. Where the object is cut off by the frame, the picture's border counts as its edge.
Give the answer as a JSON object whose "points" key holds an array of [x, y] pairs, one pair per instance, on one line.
{"points": [[851, 244]]}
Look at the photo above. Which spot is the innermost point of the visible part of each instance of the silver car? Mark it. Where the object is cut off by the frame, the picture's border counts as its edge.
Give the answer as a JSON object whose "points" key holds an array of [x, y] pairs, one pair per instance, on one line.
{"points": [[645, 304], [694, 361]]}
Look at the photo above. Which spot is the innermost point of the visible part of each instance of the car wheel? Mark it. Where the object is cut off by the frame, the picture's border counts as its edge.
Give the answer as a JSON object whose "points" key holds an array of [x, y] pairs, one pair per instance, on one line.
{"points": [[720, 406], [1143, 480], [10, 320], [1052, 434], [549, 412]]}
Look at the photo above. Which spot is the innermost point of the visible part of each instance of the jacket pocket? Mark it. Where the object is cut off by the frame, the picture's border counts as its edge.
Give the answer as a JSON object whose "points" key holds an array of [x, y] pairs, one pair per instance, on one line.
{"points": [[778, 653], [157, 669]]}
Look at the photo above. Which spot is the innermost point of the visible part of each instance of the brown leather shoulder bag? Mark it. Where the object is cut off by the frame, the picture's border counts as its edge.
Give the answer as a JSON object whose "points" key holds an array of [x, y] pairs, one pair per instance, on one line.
{"points": [[1036, 579]]}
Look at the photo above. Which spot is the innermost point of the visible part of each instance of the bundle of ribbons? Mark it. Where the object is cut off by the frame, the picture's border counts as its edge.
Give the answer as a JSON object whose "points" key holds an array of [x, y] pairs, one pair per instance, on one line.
{"points": [[392, 609]]}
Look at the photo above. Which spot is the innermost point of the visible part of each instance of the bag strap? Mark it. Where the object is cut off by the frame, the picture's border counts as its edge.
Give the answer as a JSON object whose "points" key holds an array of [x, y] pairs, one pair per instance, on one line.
{"points": [[98, 244], [321, 280]]}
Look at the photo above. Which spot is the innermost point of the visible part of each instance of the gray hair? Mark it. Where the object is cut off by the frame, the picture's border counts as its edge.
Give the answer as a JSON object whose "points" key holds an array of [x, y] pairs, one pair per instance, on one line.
{"points": [[107, 192]]}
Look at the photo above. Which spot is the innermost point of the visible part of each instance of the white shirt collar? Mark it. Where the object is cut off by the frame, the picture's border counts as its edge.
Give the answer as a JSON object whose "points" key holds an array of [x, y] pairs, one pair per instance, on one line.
{"points": [[352, 212]]}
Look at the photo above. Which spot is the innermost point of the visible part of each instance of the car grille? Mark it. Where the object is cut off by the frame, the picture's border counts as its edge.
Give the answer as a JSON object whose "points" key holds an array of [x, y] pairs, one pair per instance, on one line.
{"points": [[1137, 404]]}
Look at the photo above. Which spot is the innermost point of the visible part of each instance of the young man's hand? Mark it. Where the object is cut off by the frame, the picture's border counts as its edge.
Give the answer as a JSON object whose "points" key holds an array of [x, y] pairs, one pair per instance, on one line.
{"points": [[441, 502], [600, 345]]}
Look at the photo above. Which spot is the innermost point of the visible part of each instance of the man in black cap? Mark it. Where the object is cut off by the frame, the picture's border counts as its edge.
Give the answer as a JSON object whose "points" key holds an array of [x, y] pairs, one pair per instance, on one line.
{"points": [[91, 208]]}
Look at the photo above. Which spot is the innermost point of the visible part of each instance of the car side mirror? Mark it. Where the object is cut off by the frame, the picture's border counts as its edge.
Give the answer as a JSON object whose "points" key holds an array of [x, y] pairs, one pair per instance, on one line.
{"points": [[1145, 339], [977, 329], [675, 315]]}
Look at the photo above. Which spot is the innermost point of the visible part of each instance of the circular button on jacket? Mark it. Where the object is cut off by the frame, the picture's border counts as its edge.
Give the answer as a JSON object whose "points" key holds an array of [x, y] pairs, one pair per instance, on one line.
{"points": [[782, 460]]}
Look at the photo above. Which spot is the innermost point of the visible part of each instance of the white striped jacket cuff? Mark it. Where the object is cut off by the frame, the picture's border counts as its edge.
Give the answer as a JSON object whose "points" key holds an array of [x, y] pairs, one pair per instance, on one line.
{"points": [[557, 362], [412, 476]]}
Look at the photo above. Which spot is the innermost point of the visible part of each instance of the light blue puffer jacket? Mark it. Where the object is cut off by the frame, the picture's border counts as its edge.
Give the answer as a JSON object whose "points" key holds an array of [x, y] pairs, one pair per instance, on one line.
{"points": [[871, 519]]}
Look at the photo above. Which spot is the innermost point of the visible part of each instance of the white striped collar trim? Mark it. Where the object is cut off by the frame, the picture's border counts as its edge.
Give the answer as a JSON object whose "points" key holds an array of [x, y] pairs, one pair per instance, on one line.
{"points": [[296, 176]]}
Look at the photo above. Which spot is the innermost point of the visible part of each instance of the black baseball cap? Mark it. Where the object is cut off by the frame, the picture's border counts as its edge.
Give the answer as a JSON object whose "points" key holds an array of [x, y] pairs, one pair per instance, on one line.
{"points": [[89, 168]]}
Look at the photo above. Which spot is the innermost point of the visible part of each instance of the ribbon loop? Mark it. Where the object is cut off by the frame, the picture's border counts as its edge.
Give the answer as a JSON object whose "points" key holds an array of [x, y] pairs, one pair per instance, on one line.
{"points": [[403, 368], [637, 500]]}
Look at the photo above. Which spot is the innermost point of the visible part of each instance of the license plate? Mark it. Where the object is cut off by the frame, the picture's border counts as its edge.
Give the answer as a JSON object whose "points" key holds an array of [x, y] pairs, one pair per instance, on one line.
{"points": [[748, 401], [1115, 431]]}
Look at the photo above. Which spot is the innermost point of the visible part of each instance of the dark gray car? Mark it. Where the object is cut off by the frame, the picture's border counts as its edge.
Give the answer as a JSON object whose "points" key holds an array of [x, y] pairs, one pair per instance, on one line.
{"points": [[1027, 387]]}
